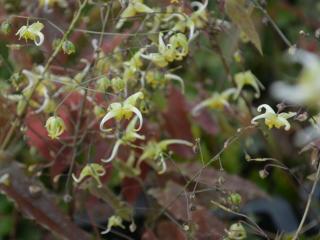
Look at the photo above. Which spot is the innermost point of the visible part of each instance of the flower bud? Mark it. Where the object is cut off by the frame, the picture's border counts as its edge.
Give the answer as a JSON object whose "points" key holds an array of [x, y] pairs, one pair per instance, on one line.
{"points": [[55, 127], [235, 199], [103, 83], [6, 27], [118, 84], [237, 232], [68, 47]]}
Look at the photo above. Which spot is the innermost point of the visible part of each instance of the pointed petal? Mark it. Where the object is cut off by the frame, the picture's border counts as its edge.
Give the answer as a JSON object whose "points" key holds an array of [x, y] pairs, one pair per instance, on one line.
{"points": [[114, 152], [267, 108], [139, 115], [105, 119]]}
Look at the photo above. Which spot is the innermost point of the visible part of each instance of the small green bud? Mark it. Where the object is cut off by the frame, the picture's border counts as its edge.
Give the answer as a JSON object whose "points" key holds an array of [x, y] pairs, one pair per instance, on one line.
{"points": [[235, 199], [55, 127], [6, 27], [118, 84], [68, 47], [103, 84], [237, 232]]}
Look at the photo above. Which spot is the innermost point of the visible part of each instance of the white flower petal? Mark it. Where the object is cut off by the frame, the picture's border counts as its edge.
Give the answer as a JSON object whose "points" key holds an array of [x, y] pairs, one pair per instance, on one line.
{"points": [[105, 119], [114, 152]]}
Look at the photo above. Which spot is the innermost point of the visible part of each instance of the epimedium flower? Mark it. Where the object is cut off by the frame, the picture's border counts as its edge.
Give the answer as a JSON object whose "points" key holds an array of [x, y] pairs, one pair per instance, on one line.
{"points": [[306, 90], [130, 135], [273, 119], [93, 170], [247, 78], [134, 7], [125, 109], [176, 49], [154, 153], [32, 32], [237, 232], [158, 79], [113, 221], [217, 101], [200, 16], [55, 127]]}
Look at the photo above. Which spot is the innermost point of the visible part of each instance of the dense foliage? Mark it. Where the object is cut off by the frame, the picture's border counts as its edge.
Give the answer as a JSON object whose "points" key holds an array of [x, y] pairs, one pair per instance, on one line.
{"points": [[173, 119]]}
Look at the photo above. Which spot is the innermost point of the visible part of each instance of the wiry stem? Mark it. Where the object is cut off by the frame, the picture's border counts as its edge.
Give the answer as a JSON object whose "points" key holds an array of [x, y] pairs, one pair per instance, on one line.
{"points": [[307, 208]]}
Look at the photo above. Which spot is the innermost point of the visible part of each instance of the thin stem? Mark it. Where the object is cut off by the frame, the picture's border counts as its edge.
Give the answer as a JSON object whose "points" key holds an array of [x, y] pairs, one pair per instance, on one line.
{"points": [[18, 121], [307, 208]]}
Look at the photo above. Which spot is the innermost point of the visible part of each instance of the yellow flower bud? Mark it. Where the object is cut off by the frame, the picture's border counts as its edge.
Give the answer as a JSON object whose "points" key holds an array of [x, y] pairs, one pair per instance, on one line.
{"points": [[55, 127]]}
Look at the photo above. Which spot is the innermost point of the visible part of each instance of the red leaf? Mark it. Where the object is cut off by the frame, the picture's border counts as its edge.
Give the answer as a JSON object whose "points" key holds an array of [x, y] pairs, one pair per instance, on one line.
{"points": [[177, 122]]}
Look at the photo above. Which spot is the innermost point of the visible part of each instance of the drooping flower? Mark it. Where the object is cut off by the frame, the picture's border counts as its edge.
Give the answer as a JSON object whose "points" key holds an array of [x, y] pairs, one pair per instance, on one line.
{"points": [[237, 232], [154, 153], [247, 78], [176, 49], [93, 170], [32, 32], [216, 101], [134, 7], [125, 109], [55, 127], [273, 119], [157, 79], [129, 136], [113, 221]]}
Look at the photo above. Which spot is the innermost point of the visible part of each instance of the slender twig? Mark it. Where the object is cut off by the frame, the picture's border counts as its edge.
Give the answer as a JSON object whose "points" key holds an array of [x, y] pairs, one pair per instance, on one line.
{"points": [[307, 208]]}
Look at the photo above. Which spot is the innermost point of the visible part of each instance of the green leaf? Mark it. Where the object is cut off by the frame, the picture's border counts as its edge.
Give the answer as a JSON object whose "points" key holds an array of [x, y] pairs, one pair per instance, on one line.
{"points": [[241, 16]]}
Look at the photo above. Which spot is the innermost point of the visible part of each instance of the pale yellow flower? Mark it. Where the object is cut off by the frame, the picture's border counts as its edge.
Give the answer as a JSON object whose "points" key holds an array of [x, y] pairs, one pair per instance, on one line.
{"points": [[93, 170], [125, 109], [217, 101], [32, 32], [55, 127], [273, 119]]}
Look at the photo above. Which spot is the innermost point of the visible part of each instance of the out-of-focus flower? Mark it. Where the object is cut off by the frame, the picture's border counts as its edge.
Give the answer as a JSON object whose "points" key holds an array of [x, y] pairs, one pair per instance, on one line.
{"points": [[93, 170], [157, 79], [247, 78], [122, 110], [306, 91], [55, 126], [129, 136], [48, 4], [237, 232], [217, 101], [32, 32], [134, 7], [154, 152], [200, 16], [6, 27], [113, 221], [273, 119]]}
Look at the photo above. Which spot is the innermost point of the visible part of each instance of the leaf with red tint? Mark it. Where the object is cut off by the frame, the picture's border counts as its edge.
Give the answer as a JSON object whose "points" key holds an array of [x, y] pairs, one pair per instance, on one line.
{"points": [[207, 123], [208, 226], [32, 199], [212, 178], [171, 199], [177, 123], [149, 235], [167, 230]]}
